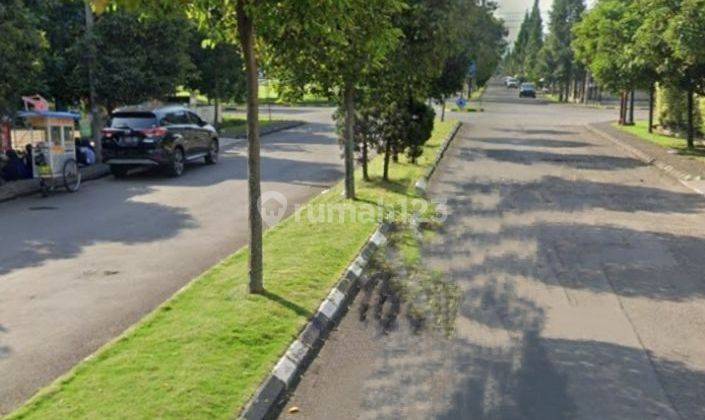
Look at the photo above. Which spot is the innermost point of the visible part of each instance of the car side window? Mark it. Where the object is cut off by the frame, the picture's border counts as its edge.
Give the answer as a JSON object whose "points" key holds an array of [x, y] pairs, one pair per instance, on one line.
{"points": [[195, 119], [175, 118], [169, 119]]}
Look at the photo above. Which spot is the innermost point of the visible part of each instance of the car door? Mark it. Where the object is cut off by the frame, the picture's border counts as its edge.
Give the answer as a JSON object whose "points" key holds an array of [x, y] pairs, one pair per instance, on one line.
{"points": [[200, 132], [190, 135], [172, 121]]}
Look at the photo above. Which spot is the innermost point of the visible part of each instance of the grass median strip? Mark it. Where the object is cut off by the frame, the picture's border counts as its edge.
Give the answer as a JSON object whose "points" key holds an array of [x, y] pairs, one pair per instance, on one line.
{"points": [[203, 353], [237, 127]]}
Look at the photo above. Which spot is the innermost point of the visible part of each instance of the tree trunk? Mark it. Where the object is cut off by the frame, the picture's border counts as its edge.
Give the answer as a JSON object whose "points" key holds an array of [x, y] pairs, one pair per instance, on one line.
{"points": [[443, 109], [622, 108], [247, 42], [216, 113], [96, 123], [365, 175], [349, 140], [387, 155], [651, 107], [631, 108], [691, 122]]}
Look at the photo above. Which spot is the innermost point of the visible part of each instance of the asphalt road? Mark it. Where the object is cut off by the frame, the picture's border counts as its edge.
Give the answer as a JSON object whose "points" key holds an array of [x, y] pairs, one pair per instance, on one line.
{"points": [[580, 277], [77, 270]]}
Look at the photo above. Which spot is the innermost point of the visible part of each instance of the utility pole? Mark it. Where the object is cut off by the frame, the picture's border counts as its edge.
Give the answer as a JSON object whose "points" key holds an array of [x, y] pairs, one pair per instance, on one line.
{"points": [[96, 124]]}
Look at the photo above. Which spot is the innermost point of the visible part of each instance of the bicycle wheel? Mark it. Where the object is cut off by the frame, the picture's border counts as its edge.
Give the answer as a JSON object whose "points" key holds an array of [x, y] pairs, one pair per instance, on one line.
{"points": [[72, 176]]}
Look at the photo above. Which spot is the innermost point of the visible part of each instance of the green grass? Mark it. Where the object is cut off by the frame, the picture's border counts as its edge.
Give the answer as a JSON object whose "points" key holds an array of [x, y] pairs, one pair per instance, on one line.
{"points": [[235, 127], [269, 94], [478, 93], [203, 353], [551, 97], [641, 129]]}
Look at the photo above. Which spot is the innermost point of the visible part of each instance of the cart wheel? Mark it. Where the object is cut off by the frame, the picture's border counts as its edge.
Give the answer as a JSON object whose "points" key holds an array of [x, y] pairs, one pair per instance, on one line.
{"points": [[44, 188], [72, 176]]}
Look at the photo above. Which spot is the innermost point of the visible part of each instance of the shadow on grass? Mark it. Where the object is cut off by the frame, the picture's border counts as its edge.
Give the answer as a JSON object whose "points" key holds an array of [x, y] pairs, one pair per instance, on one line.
{"points": [[395, 186], [299, 310]]}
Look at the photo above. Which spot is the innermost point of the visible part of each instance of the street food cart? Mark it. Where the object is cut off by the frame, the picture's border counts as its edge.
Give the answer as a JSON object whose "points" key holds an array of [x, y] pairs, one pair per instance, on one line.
{"points": [[52, 136]]}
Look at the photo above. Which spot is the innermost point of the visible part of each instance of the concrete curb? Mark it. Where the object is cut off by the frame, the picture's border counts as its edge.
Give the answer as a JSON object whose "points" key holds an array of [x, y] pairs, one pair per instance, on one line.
{"points": [[644, 157], [286, 125], [268, 399], [15, 189], [693, 182], [422, 184]]}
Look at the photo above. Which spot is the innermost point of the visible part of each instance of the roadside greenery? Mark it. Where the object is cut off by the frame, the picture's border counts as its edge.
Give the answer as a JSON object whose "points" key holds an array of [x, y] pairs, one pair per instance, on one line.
{"points": [[203, 353], [20, 45], [619, 46], [524, 58], [386, 56], [237, 127], [640, 129]]}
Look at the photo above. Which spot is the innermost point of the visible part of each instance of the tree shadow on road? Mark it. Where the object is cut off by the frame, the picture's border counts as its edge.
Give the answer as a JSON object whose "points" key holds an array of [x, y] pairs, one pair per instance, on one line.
{"points": [[531, 142], [542, 132], [120, 214], [531, 157], [4, 350], [558, 194]]}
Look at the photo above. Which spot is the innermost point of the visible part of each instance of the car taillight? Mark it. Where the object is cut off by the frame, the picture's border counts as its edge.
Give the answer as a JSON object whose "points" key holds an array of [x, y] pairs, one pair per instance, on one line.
{"points": [[154, 132]]}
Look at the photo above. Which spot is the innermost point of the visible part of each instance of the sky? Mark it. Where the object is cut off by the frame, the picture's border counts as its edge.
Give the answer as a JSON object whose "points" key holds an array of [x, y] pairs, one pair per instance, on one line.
{"points": [[512, 11]]}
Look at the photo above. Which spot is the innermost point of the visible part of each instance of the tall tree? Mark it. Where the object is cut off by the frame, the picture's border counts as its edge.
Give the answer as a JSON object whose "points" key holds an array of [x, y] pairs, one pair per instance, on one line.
{"points": [[524, 57], [485, 40], [127, 70], [564, 15], [534, 43], [605, 42], [62, 57], [670, 39], [21, 46], [349, 40], [219, 71], [451, 80], [293, 21]]}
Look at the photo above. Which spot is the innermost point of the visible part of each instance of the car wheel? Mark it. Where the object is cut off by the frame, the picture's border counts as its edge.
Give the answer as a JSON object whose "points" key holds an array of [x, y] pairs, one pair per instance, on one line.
{"points": [[119, 171], [176, 168], [212, 156]]}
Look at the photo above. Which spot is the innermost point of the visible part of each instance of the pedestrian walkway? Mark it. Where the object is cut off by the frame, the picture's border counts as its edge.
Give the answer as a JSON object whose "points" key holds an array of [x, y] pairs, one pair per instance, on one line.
{"points": [[685, 166]]}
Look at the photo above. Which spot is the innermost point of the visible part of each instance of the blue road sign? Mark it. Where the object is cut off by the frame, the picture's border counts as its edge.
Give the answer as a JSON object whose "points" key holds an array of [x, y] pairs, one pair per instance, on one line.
{"points": [[473, 69], [461, 102]]}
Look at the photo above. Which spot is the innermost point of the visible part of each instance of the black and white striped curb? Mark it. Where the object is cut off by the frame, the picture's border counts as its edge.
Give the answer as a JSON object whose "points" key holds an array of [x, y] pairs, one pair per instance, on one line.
{"points": [[271, 129], [422, 184], [268, 399], [685, 178]]}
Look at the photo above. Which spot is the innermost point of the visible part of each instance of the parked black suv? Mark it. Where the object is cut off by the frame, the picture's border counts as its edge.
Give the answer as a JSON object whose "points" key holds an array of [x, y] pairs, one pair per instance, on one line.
{"points": [[166, 136]]}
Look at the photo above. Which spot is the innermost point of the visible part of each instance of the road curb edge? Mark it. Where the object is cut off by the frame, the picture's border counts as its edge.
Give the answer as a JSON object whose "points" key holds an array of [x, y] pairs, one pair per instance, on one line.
{"points": [[267, 400], [422, 184], [688, 180]]}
